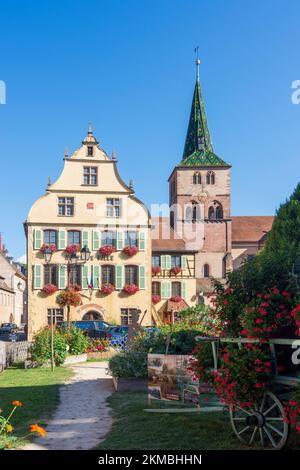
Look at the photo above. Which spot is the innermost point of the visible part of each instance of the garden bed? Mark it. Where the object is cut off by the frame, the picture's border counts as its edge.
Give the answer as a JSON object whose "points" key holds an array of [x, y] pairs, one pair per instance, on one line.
{"points": [[105, 355]]}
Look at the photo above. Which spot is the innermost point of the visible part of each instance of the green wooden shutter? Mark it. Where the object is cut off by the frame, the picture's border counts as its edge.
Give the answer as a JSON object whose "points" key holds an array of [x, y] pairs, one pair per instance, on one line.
{"points": [[37, 239], [168, 261], [62, 276], [37, 276], [142, 241], [62, 239], [183, 290], [96, 241], [165, 289], [183, 262], [120, 241], [84, 238], [103, 239], [142, 277], [96, 276], [163, 261], [84, 277], [119, 277]]}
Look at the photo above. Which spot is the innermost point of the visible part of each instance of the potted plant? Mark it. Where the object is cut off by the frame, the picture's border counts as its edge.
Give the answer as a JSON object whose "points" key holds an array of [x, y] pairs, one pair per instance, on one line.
{"points": [[106, 250], [156, 298], [49, 289], [107, 289], [71, 249], [176, 270], [130, 289], [52, 247], [156, 269], [130, 250]]}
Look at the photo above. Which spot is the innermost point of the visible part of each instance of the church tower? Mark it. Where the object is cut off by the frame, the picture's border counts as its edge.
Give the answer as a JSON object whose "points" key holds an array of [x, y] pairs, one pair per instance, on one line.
{"points": [[199, 197]]}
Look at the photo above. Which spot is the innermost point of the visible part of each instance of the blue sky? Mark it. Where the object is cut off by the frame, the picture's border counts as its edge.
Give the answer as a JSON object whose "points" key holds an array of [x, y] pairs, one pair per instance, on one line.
{"points": [[128, 67]]}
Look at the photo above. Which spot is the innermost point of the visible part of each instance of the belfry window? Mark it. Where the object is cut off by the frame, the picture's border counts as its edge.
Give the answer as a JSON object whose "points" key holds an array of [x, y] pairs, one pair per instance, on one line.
{"points": [[210, 177], [196, 178]]}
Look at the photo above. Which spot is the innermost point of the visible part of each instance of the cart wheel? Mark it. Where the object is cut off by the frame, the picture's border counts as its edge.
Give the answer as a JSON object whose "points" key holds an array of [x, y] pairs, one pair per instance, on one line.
{"points": [[263, 424]]}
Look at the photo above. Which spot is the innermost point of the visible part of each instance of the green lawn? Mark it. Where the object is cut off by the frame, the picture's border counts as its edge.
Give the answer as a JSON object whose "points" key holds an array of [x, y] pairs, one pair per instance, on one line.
{"points": [[37, 389], [136, 429]]}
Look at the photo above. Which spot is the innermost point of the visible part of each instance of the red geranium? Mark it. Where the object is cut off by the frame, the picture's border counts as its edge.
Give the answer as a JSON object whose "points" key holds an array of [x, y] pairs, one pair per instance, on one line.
{"points": [[106, 250], [295, 313], [176, 270], [156, 269], [72, 249], [176, 298], [130, 288], [130, 250], [68, 297], [156, 299], [107, 289], [49, 289], [52, 247]]}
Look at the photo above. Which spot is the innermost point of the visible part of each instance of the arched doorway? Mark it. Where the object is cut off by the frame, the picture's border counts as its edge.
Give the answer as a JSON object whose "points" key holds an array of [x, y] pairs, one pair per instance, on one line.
{"points": [[92, 315]]}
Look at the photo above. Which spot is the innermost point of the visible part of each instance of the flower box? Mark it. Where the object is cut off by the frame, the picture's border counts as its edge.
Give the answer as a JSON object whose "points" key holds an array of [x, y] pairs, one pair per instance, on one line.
{"points": [[49, 289], [106, 250], [44, 247], [176, 298], [107, 289], [130, 250], [130, 289], [156, 299], [71, 249], [156, 270], [176, 270], [130, 384]]}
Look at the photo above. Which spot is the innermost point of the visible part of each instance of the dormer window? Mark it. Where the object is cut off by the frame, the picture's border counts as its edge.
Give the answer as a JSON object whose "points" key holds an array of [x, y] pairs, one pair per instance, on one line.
{"points": [[90, 150]]}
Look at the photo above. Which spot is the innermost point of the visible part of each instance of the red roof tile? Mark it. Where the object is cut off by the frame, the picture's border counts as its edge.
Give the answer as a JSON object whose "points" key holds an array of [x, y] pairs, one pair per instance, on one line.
{"points": [[250, 228]]}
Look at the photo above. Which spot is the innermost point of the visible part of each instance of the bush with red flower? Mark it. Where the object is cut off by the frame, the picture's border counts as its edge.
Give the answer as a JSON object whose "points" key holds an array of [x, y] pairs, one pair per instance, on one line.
{"points": [[295, 313], [130, 289], [107, 289], [156, 269], [176, 298], [155, 299], [68, 297], [176, 270], [45, 246], [130, 250], [243, 375], [268, 314], [98, 345], [292, 411], [49, 289], [106, 250], [71, 249]]}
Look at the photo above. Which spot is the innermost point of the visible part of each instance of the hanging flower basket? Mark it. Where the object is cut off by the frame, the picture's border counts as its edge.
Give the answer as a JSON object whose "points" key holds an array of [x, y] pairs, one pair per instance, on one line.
{"points": [[71, 249], [156, 270], [106, 250], [156, 299], [68, 297], [130, 250], [176, 298], [51, 247], [49, 289], [176, 270], [130, 289], [107, 289], [76, 287]]}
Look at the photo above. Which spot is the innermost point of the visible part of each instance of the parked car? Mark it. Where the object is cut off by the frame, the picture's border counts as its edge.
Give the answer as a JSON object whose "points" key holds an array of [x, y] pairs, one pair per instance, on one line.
{"points": [[117, 335], [94, 329], [8, 327]]}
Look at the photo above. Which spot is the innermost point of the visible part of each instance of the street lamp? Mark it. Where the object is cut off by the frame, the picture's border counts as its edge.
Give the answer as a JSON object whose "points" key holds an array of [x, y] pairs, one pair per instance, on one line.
{"points": [[85, 253], [48, 254]]}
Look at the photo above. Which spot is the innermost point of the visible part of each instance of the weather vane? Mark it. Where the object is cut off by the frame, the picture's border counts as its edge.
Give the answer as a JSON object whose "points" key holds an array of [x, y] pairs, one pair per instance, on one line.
{"points": [[196, 51]]}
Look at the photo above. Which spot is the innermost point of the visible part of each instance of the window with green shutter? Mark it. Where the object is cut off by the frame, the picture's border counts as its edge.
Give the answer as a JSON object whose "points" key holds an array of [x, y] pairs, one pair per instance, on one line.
{"points": [[62, 276], [142, 241], [85, 238], [62, 239], [183, 290], [84, 277], [120, 241], [163, 261], [96, 276], [183, 262], [37, 276], [168, 262], [37, 239], [96, 240], [142, 277], [165, 289], [119, 277]]}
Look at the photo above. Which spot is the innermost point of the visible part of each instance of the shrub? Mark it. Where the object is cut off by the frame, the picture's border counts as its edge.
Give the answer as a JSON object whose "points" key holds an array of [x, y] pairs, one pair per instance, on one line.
{"points": [[129, 364], [76, 339], [98, 345], [40, 350]]}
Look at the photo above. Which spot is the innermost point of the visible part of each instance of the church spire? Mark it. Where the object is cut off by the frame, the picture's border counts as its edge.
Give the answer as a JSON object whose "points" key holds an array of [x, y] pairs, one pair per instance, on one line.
{"points": [[198, 149], [197, 137]]}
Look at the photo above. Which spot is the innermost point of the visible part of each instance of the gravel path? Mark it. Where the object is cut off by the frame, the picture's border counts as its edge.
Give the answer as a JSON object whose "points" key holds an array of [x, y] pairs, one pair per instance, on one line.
{"points": [[82, 418]]}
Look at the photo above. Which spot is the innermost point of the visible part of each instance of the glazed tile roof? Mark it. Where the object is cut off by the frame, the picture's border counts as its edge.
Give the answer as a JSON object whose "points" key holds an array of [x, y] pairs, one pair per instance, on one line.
{"points": [[250, 228], [203, 158]]}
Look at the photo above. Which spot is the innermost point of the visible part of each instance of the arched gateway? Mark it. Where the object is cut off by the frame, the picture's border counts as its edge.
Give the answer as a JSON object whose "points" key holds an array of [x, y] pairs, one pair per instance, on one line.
{"points": [[92, 315]]}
